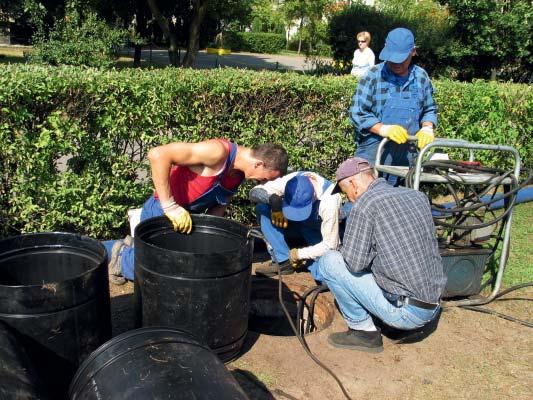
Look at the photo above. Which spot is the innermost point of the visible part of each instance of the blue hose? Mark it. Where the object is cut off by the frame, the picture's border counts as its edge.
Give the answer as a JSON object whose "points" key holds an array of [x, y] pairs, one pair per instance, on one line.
{"points": [[523, 196]]}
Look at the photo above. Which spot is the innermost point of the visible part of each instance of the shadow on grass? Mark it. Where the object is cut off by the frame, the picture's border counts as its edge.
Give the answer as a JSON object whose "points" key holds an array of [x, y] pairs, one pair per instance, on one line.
{"points": [[8, 59]]}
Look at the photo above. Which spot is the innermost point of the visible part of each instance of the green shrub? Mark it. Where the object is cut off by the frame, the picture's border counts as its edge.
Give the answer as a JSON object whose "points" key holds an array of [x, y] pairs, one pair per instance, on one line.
{"points": [[254, 42], [76, 41], [74, 140], [427, 20]]}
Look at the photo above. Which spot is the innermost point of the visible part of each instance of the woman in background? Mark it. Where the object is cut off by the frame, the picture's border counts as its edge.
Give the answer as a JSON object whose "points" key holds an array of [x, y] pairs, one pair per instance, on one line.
{"points": [[363, 57]]}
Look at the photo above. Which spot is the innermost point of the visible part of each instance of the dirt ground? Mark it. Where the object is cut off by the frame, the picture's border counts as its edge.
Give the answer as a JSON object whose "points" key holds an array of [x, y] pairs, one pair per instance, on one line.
{"points": [[470, 356]]}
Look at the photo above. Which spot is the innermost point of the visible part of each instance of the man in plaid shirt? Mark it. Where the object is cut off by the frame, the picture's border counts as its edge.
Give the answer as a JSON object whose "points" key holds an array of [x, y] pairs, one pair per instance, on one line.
{"points": [[389, 264], [393, 100]]}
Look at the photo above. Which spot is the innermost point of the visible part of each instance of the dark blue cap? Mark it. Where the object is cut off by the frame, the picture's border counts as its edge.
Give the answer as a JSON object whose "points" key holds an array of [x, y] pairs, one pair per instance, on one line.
{"points": [[399, 44], [298, 199]]}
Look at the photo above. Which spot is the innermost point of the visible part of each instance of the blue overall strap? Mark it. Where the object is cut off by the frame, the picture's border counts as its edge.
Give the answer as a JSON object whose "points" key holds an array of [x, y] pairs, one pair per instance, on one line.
{"points": [[227, 167], [217, 194]]}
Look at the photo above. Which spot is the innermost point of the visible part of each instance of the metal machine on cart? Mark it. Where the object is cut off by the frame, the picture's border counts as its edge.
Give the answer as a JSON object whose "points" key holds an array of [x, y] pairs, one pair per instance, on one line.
{"points": [[476, 223]]}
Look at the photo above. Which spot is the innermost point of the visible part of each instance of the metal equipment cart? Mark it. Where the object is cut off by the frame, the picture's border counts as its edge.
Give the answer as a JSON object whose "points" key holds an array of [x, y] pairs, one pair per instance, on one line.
{"points": [[471, 262]]}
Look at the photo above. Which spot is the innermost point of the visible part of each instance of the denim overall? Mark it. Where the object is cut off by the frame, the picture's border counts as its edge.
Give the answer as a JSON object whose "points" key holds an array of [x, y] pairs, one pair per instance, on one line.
{"points": [[276, 237], [217, 194], [401, 108]]}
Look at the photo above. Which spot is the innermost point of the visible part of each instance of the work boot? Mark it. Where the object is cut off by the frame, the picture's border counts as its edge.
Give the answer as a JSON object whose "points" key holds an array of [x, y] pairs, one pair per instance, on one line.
{"points": [[114, 267], [272, 269], [369, 341]]}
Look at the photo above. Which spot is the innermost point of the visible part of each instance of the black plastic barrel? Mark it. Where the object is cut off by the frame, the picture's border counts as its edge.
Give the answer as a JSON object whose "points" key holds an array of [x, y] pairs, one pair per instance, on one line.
{"points": [[154, 363], [54, 293], [199, 282], [18, 378]]}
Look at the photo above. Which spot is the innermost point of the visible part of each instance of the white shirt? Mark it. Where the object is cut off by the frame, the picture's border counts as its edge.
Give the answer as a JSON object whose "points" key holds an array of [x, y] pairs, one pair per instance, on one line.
{"points": [[362, 61], [328, 211]]}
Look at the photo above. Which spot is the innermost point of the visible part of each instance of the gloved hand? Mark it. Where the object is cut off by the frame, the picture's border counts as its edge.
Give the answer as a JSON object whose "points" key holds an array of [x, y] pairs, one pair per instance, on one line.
{"points": [[396, 133], [278, 219], [180, 217], [294, 260], [425, 136], [276, 215]]}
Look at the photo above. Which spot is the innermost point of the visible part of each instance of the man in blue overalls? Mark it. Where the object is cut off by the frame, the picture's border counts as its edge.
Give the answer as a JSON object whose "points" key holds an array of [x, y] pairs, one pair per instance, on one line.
{"points": [[195, 178], [298, 206], [394, 100]]}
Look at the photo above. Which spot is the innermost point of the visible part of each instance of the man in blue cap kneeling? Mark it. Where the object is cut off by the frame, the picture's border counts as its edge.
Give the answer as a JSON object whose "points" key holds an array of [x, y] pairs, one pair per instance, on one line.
{"points": [[299, 205], [393, 100]]}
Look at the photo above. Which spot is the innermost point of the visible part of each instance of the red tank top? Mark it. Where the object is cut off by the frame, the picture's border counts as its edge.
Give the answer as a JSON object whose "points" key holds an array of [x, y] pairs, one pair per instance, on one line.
{"points": [[186, 186]]}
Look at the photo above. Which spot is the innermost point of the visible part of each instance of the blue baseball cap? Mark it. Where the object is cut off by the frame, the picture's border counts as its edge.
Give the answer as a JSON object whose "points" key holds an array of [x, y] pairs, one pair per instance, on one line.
{"points": [[298, 199], [399, 44]]}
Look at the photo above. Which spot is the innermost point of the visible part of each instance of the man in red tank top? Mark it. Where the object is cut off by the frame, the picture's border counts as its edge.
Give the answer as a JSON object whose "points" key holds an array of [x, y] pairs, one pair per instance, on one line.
{"points": [[200, 178]]}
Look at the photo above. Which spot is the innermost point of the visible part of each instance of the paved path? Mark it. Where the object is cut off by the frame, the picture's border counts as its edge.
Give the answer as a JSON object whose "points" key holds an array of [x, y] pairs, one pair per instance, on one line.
{"points": [[235, 60]]}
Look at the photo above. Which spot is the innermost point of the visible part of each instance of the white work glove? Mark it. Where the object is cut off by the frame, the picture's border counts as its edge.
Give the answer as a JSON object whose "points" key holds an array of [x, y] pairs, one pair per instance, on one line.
{"points": [[180, 217], [425, 136], [396, 133]]}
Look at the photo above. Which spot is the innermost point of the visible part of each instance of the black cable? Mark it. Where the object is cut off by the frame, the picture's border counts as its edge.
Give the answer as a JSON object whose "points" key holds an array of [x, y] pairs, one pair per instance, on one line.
{"points": [[302, 340], [472, 202], [479, 204], [310, 318], [497, 313], [302, 303], [512, 289]]}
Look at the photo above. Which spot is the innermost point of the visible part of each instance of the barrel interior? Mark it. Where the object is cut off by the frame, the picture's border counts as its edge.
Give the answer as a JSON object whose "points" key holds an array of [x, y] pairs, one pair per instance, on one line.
{"points": [[37, 266], [197, 243]]}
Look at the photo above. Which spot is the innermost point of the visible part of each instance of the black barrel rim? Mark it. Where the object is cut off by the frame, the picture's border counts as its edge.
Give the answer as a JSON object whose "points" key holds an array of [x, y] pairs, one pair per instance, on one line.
{"points": [[99, 258], [197, 218], [185, 337]]}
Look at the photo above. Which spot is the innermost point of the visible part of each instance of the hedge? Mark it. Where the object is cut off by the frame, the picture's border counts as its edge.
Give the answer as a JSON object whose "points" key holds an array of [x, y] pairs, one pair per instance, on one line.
{"points": [[73, 141], [254, 42]]}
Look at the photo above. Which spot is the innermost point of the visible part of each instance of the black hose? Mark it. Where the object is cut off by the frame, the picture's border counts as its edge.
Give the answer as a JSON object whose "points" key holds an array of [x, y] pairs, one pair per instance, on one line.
{"points": [[301, 338], [302, 303], [497, 313], [310, 325], [471, 202]]}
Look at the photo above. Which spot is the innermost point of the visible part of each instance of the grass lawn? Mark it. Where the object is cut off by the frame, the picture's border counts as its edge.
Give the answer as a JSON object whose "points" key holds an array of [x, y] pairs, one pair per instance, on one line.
{"points": [[519, 267]]}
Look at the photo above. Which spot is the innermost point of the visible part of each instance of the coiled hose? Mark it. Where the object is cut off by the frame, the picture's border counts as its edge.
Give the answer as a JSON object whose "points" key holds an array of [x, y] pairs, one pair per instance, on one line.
{"points": [[471, 202]]}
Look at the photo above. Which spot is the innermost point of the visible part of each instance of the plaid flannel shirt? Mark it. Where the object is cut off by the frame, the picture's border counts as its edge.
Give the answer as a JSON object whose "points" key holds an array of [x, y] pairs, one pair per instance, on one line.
{"points": [[373, 89], [390, 232]]}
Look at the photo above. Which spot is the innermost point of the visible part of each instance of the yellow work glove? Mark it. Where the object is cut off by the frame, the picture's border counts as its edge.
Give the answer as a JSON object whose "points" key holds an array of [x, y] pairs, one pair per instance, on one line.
{"points": [[396, 133], [276, 215], [278, 219], [425, 136], [180, 217], [294, 260]]}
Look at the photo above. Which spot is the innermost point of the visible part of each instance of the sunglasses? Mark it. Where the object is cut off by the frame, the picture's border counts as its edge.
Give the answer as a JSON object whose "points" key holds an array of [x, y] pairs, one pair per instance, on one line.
{"points": [[361, 41]]}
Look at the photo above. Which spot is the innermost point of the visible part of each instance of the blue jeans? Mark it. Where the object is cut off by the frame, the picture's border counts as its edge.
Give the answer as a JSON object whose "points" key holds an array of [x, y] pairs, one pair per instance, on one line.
{"points": [[151, 208], [276, 237], [358, 295]]}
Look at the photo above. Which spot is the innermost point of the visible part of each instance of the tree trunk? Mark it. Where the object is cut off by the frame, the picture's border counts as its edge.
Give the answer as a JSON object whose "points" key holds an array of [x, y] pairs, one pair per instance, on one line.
{"points": [[140, 13], [300, 35], [173, 54], [193, 44]]}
